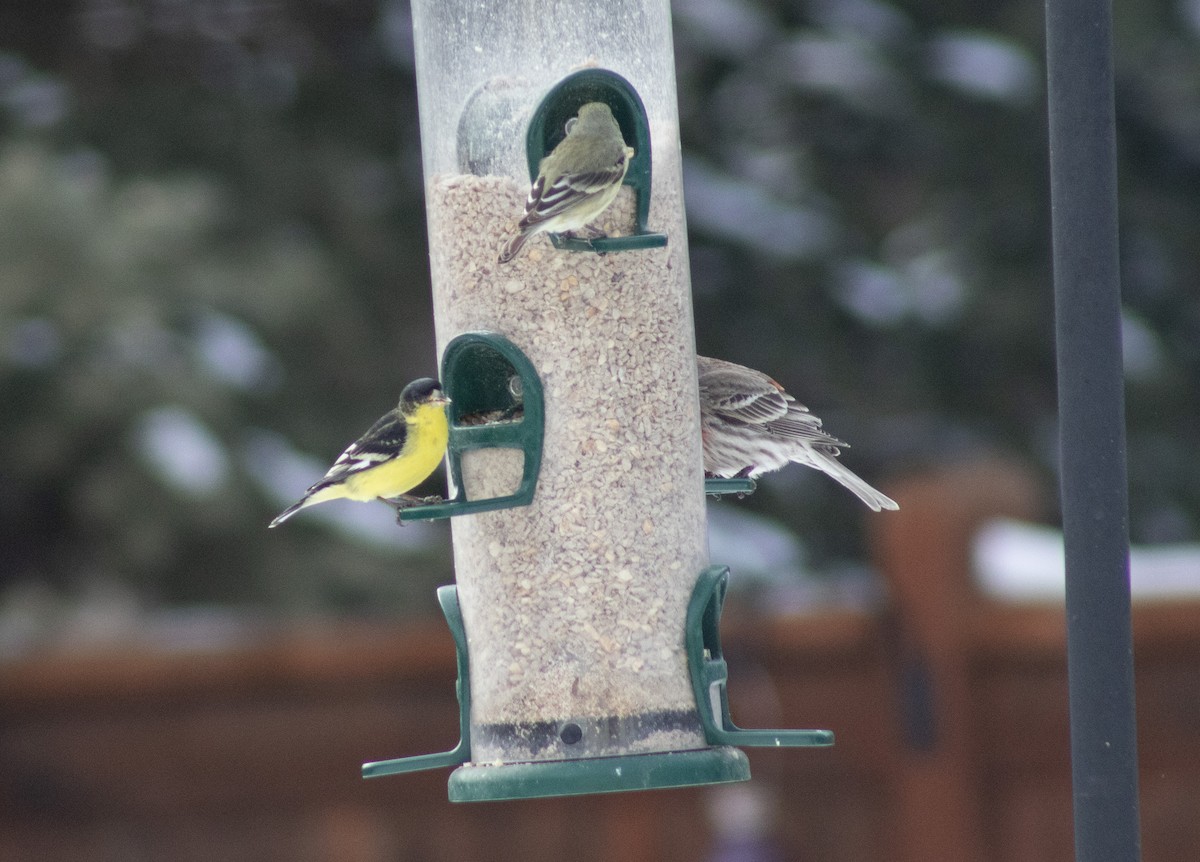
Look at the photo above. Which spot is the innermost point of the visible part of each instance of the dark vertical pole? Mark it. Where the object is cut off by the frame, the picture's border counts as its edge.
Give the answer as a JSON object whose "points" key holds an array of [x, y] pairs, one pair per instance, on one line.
{"points": [[1092, 429]]}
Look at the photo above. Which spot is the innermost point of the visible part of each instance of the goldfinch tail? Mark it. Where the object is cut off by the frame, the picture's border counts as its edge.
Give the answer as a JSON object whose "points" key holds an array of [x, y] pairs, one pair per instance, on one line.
{"points": [[318, 493], [302, 503], [513, 247]]}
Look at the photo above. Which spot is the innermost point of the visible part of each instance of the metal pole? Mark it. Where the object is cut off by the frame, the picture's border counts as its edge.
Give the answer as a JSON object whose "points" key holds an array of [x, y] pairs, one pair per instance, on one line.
{"points": [[1092, 431]]}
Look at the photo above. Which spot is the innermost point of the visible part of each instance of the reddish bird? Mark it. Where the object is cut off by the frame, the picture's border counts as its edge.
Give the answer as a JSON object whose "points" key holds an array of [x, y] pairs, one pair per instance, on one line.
{"points": [[750, 425]]}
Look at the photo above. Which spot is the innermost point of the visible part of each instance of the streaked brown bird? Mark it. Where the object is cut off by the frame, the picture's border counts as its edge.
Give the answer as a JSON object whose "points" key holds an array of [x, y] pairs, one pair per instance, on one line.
{"points": [[750, 425]]}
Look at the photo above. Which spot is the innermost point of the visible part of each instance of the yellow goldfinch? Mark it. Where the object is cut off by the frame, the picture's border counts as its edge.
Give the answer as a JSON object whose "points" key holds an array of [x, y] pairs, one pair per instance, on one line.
{"points": [[750, 425], [395, 455], [578, 180]]}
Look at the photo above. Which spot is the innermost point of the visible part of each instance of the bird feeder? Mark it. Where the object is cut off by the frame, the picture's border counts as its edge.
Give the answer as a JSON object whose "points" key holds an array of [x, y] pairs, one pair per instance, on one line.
{"points": [[585, 609]]}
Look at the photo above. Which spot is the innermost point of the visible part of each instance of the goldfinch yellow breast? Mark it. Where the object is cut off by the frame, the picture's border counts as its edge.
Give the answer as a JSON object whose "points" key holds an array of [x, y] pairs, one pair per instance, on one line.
{"points": [[396, 454]]}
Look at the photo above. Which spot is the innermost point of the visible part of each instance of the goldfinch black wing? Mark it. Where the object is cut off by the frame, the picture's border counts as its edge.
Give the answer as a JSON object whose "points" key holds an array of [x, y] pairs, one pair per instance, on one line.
{"points": [[383, 441], [545, 202]]}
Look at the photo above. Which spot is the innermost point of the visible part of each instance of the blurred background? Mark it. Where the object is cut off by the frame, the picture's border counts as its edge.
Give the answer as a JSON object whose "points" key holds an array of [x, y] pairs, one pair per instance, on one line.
{"points": [[214, 275]]}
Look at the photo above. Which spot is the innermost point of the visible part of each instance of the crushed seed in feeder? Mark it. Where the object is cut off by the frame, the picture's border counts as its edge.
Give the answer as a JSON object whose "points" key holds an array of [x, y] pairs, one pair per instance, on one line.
{"points": [[483, 417], [574, 606]]}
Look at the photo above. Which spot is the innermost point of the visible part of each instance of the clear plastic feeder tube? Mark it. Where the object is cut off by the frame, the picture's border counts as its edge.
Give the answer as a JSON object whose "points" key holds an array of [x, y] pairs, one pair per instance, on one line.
{"points": [[574, 606]]}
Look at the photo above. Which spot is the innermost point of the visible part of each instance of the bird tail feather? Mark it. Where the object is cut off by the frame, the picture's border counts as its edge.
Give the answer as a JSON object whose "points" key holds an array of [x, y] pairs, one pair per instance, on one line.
{"points": [[291, 510], [851, 480], [513, 247]]}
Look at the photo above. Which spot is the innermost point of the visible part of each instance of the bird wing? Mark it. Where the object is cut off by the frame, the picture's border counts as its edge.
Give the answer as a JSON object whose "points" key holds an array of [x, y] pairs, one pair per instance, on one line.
{"points": [[801, 425], [751, 408], [383, 441], [740, 394], [547, 201]]}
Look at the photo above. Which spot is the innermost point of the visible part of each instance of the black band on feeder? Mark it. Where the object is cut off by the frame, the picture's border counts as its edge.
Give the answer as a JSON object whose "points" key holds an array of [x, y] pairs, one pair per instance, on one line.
{"points": [[495, 402], [548, 127], [578, 738]]}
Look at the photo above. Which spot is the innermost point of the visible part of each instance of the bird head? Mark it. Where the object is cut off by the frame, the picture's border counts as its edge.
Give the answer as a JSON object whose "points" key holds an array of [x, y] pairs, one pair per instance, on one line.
{"points": [[423, 391], [593, 118]]}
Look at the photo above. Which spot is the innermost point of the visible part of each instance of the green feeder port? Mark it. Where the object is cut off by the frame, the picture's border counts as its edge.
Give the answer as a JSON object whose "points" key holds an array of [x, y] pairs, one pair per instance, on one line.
{"points": [[736, 485], [496, 402], [547, 128], [721, 762]]}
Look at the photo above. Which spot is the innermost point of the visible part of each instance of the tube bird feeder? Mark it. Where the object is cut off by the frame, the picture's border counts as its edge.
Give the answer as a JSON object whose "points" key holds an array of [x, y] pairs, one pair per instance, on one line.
{"points": [[585, 612]]}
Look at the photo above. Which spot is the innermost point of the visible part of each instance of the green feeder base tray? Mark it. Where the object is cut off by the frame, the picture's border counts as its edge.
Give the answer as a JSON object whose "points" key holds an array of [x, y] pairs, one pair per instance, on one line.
{"points": [[482, 783], [717, 764]]}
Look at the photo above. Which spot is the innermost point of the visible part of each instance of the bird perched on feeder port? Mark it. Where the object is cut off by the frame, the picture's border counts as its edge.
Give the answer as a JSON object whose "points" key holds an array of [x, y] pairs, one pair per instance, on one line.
{"points": [[577, 181], [749, 425], [396, 454]]}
